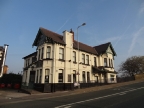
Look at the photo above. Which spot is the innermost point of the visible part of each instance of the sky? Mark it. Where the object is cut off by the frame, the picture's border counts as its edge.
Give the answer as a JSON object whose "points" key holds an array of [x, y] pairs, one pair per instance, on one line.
{"points": [[120, 22]]}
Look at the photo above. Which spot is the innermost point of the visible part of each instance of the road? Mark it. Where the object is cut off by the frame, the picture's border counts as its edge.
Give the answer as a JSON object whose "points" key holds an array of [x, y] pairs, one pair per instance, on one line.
{"points": [[130, 96]]}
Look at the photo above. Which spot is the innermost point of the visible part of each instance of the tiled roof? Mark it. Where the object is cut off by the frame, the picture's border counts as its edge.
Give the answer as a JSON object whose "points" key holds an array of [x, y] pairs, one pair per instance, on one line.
{"points": [[102, 48], [1, 48], [30, 55], [59, 38], [56, 37], [84, 47]]}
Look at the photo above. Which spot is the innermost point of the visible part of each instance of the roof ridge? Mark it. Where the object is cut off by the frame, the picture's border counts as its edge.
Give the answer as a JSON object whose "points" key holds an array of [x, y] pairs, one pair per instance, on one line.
{"points": [[103, 44], [83, 43], [50, 31]]}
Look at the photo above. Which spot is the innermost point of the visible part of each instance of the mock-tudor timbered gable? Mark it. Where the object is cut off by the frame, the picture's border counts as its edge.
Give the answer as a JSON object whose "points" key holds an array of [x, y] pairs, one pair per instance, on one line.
{"points": [[109, 50]]}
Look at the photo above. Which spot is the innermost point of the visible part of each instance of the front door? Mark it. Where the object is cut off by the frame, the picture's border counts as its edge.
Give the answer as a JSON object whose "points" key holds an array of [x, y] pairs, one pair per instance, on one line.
{"points": [[96, 79]]}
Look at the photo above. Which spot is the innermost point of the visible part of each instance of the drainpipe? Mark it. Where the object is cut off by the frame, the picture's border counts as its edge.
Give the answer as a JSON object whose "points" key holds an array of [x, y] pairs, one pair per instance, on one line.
{"points": [[4, 59]]}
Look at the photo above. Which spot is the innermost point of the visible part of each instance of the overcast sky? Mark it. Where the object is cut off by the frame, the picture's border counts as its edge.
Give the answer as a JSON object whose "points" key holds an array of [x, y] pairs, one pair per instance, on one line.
{"points": [[120, 22]]}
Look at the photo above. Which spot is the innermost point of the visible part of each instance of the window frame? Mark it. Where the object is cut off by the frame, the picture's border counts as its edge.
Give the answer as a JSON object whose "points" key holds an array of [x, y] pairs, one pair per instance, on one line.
{"points": [[83, 58], [105, 62], [111, 63], [60, 75], [69, 77], [39, 54], [48, 53], [42, 53], [87, 59], [61, 54], [88, 76], [74, 75], [112, 77], [83, 76], [74, 56], [47, 75], [37, 78], [95, 61]]}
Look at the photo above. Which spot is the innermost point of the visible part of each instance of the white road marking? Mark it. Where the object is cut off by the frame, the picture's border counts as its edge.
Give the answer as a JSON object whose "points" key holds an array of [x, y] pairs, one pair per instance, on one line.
{"points": [[120, 93], [67, 107]]}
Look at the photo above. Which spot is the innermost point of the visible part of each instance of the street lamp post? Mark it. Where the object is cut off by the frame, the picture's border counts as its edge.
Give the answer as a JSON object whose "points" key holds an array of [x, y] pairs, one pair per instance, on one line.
{"points": [[78, 50]]}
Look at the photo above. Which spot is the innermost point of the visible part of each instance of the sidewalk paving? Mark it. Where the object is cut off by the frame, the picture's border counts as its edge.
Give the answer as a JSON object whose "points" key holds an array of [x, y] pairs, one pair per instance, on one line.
{"points": [[14, 95]]}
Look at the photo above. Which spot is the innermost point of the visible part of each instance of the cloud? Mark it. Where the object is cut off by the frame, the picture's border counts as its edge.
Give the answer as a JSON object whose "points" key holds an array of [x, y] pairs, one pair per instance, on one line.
{"points": [[134, 39], [63, 25], [122, 35], [141, 10], [110, 39]]}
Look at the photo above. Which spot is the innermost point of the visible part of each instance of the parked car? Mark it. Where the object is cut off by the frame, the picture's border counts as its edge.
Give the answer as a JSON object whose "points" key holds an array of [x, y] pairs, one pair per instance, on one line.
{"points": [[16, 86], [2, 85]]}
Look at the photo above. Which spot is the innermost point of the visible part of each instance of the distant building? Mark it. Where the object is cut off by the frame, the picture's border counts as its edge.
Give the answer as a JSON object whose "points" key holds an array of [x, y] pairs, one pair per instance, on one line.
{"points": [[5, 69], [56, 60]]}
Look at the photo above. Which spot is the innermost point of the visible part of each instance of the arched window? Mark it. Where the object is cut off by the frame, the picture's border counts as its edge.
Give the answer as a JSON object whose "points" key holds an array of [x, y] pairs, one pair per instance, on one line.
{"points": [[47, 72], [60, 76]]}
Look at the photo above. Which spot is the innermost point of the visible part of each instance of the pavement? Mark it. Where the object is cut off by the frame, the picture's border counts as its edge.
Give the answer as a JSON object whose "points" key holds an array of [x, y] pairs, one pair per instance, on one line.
{"points": [[11, 95]]}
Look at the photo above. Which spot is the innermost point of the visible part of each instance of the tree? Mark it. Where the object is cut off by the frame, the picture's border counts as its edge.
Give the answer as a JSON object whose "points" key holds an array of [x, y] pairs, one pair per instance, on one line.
{"points": [[133, 65]]}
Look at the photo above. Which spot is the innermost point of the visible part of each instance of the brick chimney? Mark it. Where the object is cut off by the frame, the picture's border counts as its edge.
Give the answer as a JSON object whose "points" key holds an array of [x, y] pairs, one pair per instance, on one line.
{"points": [[71, 31]]}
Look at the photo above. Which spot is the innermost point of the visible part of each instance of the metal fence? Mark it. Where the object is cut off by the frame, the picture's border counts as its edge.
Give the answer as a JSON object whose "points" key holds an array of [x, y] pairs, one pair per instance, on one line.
{"points": [[53, 87]]}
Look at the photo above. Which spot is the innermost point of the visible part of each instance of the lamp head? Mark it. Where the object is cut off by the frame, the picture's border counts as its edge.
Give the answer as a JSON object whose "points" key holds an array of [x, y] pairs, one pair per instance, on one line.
{"points": [[83, 24]]}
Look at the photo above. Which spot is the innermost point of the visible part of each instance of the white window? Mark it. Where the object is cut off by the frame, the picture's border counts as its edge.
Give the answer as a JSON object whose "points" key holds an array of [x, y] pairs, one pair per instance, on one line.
{"points": [[88, 76], [111, 63], [37, 77], [69, 77], [48, 52], [61, 53], [87, 59], [60, 76], [83, 58], [74, 75], [105, 61], [40, 77], [42, 53], [112, 77], [47, 71], [39, 54], [74, 56], [95, 63], [83, 76]]}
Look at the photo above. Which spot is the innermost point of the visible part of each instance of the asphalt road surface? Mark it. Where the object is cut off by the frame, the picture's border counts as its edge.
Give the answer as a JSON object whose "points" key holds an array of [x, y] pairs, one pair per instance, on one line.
{"points": [[130, 96]]}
